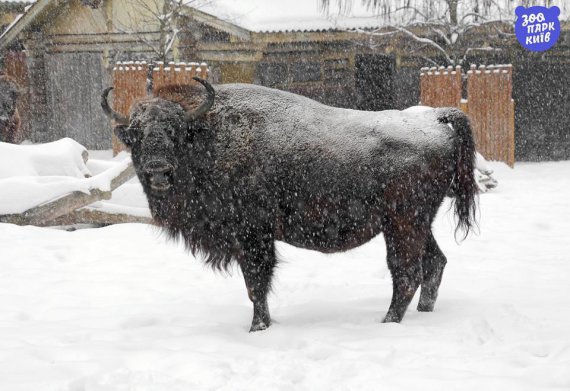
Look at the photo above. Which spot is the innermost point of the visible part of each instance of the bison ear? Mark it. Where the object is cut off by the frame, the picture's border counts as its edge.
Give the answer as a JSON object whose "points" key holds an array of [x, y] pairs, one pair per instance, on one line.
{"points": [[124, 134]]}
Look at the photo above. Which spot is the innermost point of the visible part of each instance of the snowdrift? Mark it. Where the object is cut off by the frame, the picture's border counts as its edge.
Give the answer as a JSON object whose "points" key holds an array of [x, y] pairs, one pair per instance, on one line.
{"points": [[34, 175]]}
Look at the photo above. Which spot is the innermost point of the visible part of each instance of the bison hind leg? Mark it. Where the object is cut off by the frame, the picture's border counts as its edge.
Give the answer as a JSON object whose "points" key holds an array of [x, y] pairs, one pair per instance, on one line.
{"points": [[405, 244], [433, 263]]}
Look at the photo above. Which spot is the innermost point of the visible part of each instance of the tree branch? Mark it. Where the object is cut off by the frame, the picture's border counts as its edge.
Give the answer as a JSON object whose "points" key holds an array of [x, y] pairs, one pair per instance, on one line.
{"points": [[480, 49], [442, 35], [97, 217], [430, 61], [416, 38], [161, 13], [141, 39], [417, 11]]}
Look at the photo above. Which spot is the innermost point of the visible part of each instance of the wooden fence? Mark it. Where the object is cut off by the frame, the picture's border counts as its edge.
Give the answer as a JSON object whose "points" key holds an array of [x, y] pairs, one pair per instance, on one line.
{"points": [[133, 80], [489, 104]]}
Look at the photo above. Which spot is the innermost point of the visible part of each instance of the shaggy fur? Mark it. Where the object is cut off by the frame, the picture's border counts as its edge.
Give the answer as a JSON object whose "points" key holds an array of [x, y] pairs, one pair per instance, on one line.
{"points": [[9, 117], [265, 165]]}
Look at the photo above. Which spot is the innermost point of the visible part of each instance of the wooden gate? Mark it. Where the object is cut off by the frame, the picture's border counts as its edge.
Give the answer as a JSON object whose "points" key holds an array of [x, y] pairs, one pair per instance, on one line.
{"points": [[132, 79], [489, 104], [73, 97]]}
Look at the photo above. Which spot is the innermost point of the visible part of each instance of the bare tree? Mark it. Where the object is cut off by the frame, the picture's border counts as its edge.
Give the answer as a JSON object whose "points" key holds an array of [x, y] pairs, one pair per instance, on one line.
{"points": [[440, 24], [165, 15]]}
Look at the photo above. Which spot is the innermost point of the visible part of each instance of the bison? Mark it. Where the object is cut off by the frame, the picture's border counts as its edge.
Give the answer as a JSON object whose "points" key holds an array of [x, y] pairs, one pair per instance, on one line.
{"points": [[9, 117], [234, 168]]}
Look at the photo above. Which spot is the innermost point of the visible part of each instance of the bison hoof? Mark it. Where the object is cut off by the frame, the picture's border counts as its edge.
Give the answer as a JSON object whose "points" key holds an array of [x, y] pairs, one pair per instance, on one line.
{"points": [[392, 318], [258, 327], [427, 299], [425, 307]]}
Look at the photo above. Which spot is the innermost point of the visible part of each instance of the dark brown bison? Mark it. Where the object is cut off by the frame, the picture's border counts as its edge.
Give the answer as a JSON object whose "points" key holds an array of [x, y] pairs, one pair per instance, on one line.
{"points": [[234, 169], [9, 118]]}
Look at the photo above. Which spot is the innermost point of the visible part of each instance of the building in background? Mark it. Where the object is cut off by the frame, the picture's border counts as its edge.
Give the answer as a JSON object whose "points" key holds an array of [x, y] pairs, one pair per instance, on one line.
{"points": [[67, 49]]}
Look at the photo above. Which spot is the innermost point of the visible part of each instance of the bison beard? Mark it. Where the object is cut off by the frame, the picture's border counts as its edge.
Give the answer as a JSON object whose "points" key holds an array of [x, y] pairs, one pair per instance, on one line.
{"points": [[258, 165]]}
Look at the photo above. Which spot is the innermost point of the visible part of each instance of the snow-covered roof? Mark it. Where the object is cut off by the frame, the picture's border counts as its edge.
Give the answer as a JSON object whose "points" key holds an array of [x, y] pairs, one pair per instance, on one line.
{"points": [[13, 6], [33, 8], [18, 1], [291, 15], [308, 15]]}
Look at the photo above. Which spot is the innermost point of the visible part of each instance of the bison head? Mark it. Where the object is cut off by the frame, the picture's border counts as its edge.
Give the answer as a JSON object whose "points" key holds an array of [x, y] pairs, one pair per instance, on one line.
{"points": [[156, 133]]}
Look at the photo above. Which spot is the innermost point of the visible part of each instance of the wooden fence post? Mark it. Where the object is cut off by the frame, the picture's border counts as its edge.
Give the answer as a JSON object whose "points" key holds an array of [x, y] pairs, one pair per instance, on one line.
{"points": [[440, 87], [489, 104]]}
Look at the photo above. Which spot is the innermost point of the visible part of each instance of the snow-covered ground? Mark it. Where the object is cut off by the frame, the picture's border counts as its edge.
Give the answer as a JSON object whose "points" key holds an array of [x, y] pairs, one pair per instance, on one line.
{"points": [[121, 308]]}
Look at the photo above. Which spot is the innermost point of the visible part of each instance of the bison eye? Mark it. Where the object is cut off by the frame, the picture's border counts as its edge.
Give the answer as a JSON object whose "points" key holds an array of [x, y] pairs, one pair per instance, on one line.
{"points": [[127, 135]]}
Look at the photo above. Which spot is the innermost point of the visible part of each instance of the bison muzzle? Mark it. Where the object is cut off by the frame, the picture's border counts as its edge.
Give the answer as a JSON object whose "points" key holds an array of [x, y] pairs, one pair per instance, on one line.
{"points": [[233, 169]]}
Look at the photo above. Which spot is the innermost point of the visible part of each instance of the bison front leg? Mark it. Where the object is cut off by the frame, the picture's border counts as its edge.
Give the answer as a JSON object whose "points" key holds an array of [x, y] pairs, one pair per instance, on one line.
{"points": [[405, 248], [433, 263], [257, 264]]}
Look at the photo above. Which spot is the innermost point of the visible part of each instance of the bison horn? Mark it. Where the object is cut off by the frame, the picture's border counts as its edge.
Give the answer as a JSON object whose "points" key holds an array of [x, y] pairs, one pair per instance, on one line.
{"points": [[206, 105], [118, 117]]}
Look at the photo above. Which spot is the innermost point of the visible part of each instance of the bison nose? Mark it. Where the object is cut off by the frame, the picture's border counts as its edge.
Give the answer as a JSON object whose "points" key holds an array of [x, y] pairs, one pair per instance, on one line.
{"points": [[159, 175]]}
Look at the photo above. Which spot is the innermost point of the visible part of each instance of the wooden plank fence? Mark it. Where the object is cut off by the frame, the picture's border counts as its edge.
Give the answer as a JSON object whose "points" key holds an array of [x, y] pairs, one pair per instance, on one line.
{"points": [[489, 104], [133, 80]]}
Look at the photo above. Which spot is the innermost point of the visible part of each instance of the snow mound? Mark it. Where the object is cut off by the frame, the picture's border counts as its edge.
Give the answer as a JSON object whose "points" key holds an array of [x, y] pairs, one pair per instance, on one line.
{"points": [[31, 175], [64, 157], [484, 175]]}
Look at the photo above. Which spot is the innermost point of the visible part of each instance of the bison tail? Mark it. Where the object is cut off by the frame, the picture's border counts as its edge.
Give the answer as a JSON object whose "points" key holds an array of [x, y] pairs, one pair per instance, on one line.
{"points": [[464, 187]]}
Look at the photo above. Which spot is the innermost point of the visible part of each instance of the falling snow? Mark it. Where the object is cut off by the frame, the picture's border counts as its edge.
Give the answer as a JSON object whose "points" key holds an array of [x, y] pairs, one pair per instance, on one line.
{"points": [[125, 307]]}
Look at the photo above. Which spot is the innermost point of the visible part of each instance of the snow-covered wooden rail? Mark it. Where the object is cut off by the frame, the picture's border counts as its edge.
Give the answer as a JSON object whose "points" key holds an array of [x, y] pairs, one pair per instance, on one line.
{"points": [[489, 104], [46, 213], [133, 80], [50, 184]]}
